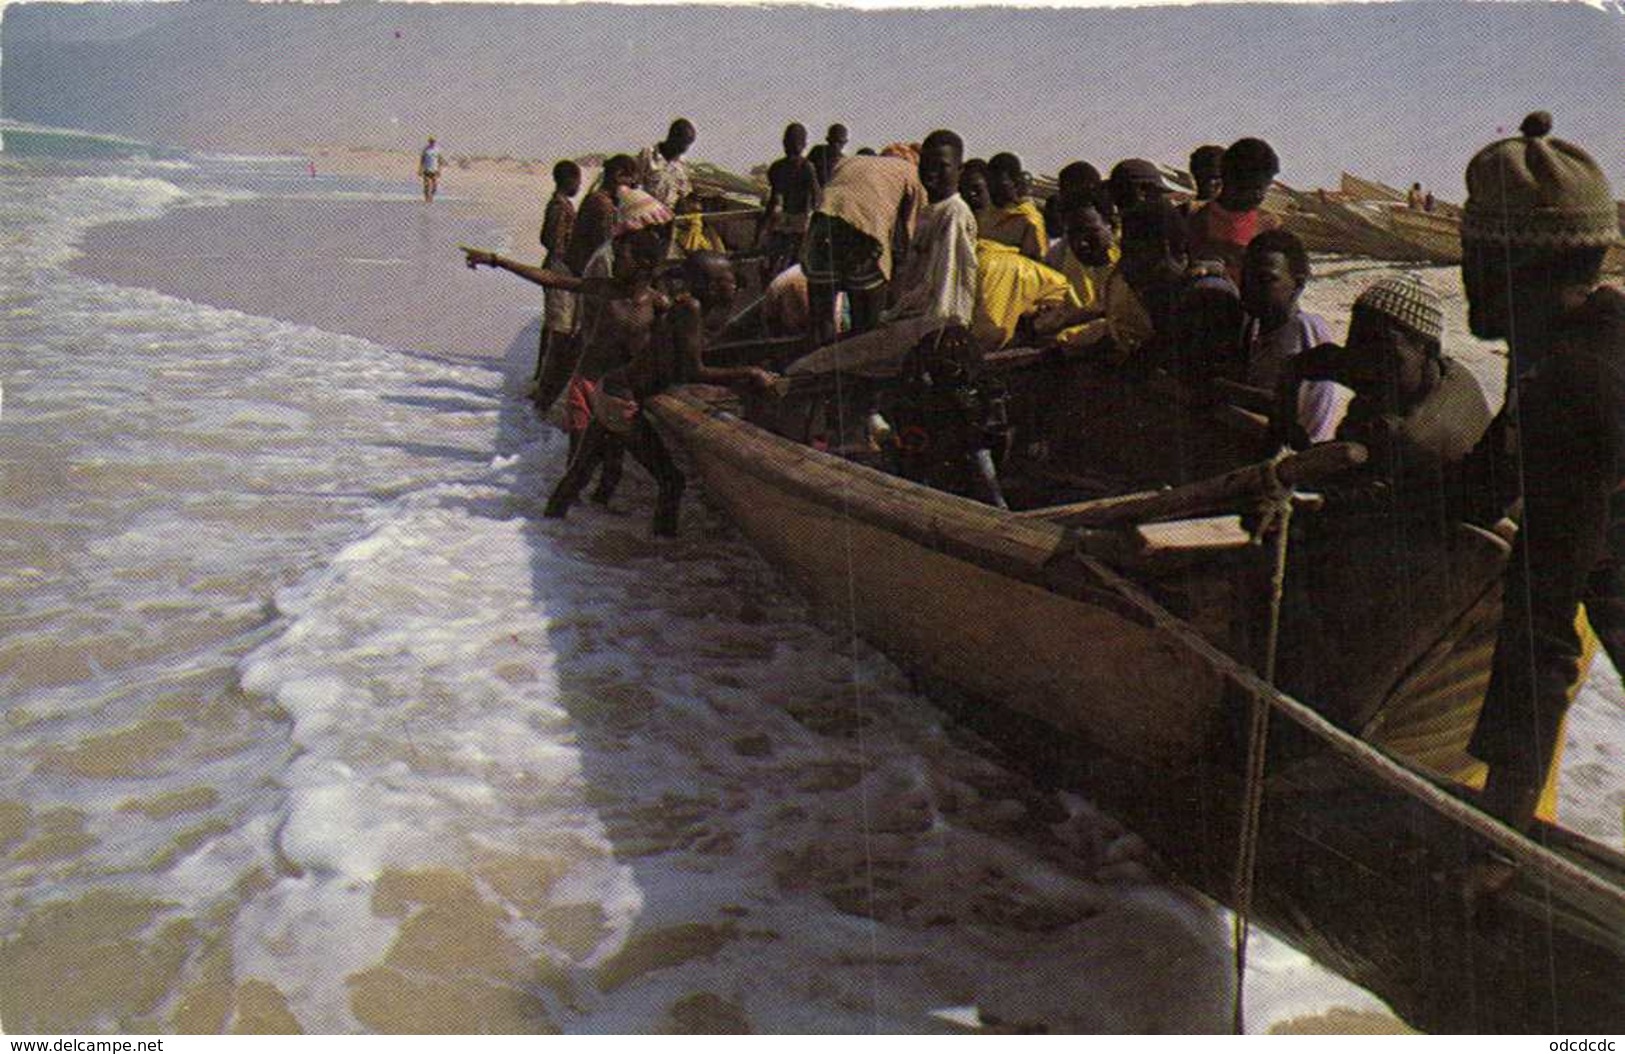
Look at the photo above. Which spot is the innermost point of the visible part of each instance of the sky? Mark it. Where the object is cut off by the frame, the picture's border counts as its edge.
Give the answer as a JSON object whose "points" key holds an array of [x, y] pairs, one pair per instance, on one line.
{"points": [[1396, 91]]}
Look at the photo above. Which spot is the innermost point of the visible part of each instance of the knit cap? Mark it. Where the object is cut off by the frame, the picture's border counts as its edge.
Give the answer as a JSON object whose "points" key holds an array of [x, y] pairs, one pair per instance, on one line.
{"points": [[1408, 300], [639, 209], [1533, 191]]}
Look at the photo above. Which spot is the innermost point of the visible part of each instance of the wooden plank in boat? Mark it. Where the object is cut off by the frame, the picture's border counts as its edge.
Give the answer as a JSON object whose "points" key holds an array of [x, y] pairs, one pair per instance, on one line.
{"points": [[1204, 534]]}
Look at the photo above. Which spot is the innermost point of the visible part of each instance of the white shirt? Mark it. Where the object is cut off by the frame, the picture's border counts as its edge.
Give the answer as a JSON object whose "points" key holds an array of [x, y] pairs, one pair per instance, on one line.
{"points": [[667, 181], [938, 280]]}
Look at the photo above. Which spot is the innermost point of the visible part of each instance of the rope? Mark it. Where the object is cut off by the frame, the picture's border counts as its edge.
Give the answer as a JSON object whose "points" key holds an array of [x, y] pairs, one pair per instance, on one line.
{"points": [[1277, 516]]}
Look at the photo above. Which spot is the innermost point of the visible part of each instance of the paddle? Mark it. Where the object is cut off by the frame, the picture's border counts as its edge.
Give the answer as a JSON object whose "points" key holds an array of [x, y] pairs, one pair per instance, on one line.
{"points": [[1206, 495]]}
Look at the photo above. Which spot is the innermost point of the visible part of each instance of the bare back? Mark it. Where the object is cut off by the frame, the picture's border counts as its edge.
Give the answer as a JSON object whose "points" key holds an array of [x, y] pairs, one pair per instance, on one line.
{"points": [[794, 182]]}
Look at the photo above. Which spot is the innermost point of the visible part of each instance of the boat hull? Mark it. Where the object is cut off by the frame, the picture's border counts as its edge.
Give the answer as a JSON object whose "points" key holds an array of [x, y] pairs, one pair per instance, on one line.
{"points": [[953, 590], [1072, 668]]}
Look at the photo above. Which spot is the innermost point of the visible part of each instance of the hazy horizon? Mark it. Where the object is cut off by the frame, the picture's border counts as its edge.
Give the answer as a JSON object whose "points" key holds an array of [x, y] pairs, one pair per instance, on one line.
{"points": [[1396, 91]]}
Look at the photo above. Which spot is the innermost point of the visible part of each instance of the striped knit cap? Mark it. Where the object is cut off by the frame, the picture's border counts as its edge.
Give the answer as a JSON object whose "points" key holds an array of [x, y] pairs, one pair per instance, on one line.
{"points": [[1533, 191], [1408, 300]]}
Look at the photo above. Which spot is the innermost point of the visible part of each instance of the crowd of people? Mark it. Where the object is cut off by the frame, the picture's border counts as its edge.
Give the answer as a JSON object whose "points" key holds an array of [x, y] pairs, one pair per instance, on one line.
{"points": [[865, 256]]}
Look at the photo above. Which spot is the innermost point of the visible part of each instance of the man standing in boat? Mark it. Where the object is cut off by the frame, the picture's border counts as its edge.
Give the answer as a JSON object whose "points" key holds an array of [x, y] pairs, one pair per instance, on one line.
{"points": [[937, 280], [662, 172], [792, 194], [865, 220], [1221, 229], [1539, 219]]}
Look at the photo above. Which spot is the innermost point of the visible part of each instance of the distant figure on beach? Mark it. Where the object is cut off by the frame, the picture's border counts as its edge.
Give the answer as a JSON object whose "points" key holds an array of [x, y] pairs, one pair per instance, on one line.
{"points": [[662, 172], [866, 216], [1538, 220], [793, 191], [558, 223], [429, 169], [1413, 197], [1011, 219], [1221, 229]]}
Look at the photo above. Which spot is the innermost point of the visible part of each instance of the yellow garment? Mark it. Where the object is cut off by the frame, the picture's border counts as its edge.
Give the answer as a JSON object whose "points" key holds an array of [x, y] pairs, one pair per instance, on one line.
{"points": [[1008, 286], [1020, 225], [690, 235], [1127, 321], [1089, 280], [1089, 283], [1433, 729]]}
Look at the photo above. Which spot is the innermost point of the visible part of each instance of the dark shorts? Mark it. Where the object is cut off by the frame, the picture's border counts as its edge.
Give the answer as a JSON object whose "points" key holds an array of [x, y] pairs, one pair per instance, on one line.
{"points": [[838, 254]]}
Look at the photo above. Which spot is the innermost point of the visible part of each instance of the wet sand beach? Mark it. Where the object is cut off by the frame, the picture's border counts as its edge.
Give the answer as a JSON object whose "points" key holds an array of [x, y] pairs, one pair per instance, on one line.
{"points": [[385, 270]]}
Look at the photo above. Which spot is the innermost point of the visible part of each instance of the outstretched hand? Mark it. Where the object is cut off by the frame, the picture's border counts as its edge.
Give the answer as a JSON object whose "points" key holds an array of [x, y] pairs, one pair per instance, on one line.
{"points": [[475, 257]]}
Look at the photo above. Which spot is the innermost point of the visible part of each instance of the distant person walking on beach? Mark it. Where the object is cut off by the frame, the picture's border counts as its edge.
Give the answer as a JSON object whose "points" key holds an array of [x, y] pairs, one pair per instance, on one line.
{"points": [[662, 172], [429, 169]]}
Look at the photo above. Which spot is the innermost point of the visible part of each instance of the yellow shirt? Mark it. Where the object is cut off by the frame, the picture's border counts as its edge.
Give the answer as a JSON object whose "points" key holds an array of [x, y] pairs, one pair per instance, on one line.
{"points": [[1089, 282], [1008, 286], [1127, 321], [1020, 225]]}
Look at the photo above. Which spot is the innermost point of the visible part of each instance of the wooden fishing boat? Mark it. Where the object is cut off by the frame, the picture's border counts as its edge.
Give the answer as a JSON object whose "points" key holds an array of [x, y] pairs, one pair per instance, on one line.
{"points": [[1356, 189], [1362, 231], [1122, 647], [1437, 235]]}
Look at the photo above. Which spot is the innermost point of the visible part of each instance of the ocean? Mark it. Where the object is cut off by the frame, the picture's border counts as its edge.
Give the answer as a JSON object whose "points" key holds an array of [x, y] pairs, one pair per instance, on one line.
{"points": [[311, 722]]}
